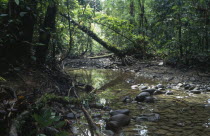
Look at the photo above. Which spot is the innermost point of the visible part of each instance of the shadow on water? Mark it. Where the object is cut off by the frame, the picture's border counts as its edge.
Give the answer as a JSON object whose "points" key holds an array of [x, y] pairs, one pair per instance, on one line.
{"points": [[181, 114]]}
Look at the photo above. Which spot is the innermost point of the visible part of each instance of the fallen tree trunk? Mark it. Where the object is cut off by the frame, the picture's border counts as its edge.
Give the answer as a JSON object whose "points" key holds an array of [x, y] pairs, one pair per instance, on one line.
{"points": [[102, 56], [90, 33]]}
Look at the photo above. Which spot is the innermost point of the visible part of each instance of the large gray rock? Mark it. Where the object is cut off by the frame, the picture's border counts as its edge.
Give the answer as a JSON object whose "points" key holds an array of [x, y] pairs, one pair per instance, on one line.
{"points": [[141, 97], [195, 91], [148, 117], [149, 99], [117, 121], [122, 111], [108, 132], [160, 86], [72, 116]]}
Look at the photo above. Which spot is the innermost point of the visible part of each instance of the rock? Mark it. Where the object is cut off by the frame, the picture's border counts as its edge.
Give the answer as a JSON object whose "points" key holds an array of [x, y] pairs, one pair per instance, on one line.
{"points": [[179, 85], [108, 132], [141, 97], [134, 87], [127, 99], [97, 115], [208, 89], [149, 99], [157, 92], [195, 91], [134, 102], [161, 63], [117, 121], [151, 91], [161, 89], [169, 92], [187, 86], [130, 81], [72, 116], [107, 108], [160, 86], [122, 111], [97, 105], [192, 86], [148, 117], [143, 87]]}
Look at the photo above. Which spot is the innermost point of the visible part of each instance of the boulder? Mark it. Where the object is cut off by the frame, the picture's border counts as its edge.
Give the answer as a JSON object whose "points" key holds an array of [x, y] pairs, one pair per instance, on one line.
{"points": [[122, 111], [151, 91], [148, 117], [141, 97], [118, 121], [72, 116], [169, 92], [195, 91], [160, 86], [149, 99], [157, 92], [108, 132], [143, 87]]}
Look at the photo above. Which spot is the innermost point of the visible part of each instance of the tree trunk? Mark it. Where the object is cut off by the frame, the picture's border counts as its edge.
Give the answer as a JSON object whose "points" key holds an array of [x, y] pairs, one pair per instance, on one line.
{"points": [[45, 34]]}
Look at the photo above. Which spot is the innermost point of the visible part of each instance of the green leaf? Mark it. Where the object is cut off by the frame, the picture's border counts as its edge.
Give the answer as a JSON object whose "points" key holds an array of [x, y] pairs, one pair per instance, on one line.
{"points": [[60, 124], [17, 2]]}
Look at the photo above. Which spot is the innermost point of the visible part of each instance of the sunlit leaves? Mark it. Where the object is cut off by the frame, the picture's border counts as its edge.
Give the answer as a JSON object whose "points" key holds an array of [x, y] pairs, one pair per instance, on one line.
{"points": [[17, 2]]}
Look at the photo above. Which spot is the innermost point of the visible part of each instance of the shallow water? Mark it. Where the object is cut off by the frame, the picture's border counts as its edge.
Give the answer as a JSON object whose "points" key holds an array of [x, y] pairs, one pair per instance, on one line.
{"points": [[181, 114]]}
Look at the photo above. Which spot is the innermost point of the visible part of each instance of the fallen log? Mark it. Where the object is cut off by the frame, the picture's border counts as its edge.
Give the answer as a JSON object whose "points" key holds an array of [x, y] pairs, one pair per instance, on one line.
{"points": [[102, 56]]}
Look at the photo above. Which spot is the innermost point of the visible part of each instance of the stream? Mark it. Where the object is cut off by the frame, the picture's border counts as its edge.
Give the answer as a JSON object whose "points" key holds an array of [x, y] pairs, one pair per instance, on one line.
{"points": [[178, 113]]}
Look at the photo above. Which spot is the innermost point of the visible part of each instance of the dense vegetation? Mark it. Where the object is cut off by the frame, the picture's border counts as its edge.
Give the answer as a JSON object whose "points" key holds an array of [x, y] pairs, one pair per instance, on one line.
{"points": [[43, 30]]}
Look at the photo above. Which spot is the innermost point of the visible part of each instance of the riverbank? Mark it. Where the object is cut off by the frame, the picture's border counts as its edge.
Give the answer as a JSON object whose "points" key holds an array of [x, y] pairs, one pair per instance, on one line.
{"points": [[153, 69]]}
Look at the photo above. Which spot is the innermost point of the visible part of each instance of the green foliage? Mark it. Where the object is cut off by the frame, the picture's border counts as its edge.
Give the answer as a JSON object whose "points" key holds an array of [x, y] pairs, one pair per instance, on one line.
{"points": [[47, 118]]}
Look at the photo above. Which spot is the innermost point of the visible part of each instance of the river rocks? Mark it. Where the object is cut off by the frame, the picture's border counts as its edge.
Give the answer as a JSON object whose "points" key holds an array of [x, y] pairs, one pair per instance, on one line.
{"points": [[157, 92], [97, 105], [151, 91], [108, 132], [96, 115], [149, 99], [159, 86], [72, 116], [148, 117], [169, 92], [134, 87], [195, 91], [143, 87], [141, 97], [122, 111], [117, 121]]}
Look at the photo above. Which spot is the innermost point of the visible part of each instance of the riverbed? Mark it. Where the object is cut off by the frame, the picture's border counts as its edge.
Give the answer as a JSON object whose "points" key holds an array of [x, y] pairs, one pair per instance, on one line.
{"points": [[179, 113]]}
